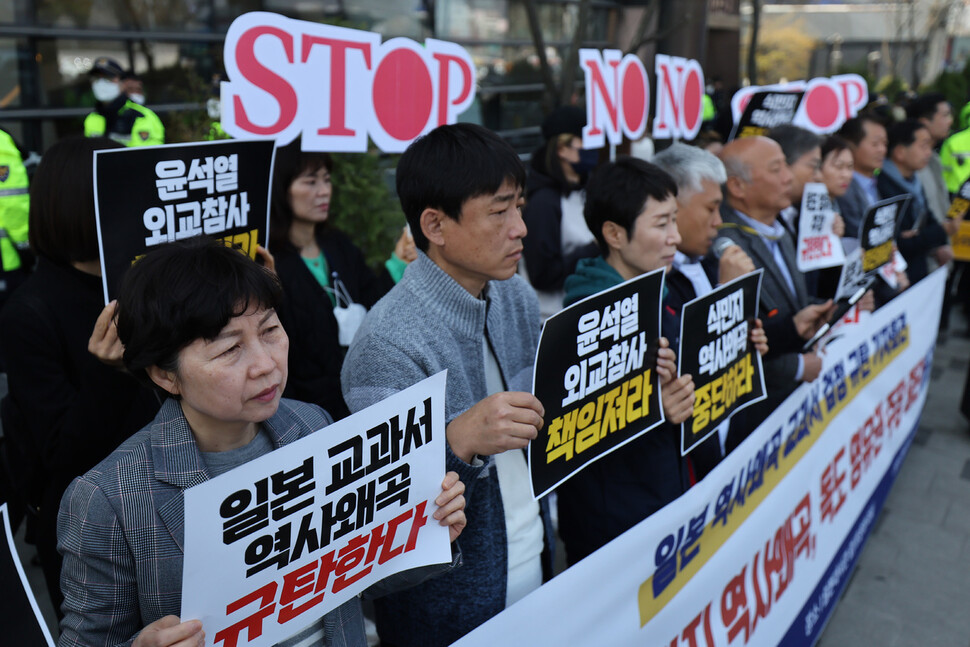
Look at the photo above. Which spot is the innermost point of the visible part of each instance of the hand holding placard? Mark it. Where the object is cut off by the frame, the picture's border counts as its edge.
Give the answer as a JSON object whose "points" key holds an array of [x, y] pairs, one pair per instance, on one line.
{"points": [[500, 422], [169, 632]]}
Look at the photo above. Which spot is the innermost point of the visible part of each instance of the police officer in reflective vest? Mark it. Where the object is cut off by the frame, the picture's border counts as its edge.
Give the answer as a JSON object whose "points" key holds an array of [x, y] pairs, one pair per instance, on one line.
{"points": [[14, 205], [115, 115]]}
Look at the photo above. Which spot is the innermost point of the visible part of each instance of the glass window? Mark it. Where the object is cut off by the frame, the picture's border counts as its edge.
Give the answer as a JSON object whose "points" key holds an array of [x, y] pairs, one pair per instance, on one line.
{"points": [[144, 15]]}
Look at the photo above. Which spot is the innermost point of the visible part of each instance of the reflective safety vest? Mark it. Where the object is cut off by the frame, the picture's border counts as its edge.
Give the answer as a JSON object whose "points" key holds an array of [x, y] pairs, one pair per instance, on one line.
{"points": [[135, 125], [955, 158], [14, 203]]}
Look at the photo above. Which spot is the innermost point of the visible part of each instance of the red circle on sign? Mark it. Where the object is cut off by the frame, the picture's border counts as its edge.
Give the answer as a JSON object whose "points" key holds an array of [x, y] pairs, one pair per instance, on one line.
{"points": [[634, 98], [402, 94], [822, 106], [693, 88]]}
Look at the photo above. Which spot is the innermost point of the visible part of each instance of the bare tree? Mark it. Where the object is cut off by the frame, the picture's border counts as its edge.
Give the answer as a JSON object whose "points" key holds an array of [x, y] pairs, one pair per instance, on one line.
{"points": [[753, 42], [560, 94]]}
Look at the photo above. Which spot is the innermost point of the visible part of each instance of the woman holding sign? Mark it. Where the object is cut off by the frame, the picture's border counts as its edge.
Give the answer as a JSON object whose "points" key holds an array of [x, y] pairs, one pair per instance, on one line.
{"points": [[65, 410], [198, 320], [328, 285]]}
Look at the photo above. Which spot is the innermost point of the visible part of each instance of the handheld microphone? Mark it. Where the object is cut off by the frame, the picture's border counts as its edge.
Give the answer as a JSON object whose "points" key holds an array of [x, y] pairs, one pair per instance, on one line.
{"points": [[721, 245]]}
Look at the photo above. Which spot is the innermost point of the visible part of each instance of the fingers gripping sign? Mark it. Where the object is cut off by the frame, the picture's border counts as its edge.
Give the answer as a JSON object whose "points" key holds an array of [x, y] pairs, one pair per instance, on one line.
{"points": [[502, 421], [169, 631]]}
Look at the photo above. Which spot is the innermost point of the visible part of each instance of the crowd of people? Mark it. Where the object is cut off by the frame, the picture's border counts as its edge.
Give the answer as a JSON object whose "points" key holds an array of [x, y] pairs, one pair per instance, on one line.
{"points": [[113, 411]]}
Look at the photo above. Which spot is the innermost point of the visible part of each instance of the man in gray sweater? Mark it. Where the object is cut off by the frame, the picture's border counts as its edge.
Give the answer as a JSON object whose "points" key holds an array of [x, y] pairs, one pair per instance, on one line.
{"points": [[461, 307]]}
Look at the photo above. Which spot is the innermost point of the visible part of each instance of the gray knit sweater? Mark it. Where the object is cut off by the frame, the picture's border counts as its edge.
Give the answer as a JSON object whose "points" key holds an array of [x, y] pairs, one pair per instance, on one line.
{"points": [[428, 323]]}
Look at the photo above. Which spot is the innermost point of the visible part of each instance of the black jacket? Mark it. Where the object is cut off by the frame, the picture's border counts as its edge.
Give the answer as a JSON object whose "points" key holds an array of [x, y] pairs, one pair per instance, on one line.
{"points": [[547, 264], [315, 356], [916, 248], [65, 410]]}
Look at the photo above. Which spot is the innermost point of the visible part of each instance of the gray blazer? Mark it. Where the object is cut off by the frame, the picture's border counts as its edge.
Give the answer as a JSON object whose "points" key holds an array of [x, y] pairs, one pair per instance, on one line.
{"points": [[121, 531], [778, 305]]}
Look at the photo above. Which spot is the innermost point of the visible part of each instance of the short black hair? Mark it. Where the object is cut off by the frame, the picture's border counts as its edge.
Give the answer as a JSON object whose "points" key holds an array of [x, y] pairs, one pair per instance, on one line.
{"points": [[925, 105], [833, 144], [854, 132], [449, 166], [903, 133], [61, 221], [794, 141], [290, 163], [618, 191], [183, 291]]}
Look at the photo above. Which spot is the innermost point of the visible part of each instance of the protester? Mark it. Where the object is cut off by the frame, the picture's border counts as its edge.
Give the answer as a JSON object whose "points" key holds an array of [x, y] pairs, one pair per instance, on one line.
{"points": [[558, 236], [757, 189], [461, 307], [837, 167], [867, 140], [115, 114], [198, 320], [631, 208], [65, 409], [803, 153], [919, 233], [934, 111], [696, 272], [327, 282]]}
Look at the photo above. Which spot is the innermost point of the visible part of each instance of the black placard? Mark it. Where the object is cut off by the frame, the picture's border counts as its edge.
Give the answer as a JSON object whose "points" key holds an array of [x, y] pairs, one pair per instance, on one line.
{"points": [[716, 351], [148, 196], [764, 111], [878, 231], [596, 379]]}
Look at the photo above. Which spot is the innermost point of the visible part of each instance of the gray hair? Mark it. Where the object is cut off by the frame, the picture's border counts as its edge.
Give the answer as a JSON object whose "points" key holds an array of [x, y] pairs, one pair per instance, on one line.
{"points": [[690, 166], [735, 166]]}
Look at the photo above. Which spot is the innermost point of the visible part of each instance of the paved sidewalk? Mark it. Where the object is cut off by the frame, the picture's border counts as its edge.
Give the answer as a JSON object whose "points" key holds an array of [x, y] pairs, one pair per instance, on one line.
{"points": [[912, 583]]}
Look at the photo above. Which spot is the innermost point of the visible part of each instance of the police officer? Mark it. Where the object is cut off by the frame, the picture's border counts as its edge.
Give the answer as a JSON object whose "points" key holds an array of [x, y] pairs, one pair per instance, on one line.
{"points": [[116, 115], [14, 205]]}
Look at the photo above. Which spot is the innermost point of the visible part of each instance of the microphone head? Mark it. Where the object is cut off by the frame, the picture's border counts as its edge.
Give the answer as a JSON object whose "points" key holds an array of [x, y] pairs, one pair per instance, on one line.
{"points": [[720, 246]]}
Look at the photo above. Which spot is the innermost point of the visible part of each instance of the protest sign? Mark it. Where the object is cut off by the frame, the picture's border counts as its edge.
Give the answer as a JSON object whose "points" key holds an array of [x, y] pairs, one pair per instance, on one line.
{"points": [[618, 97], [958, 211], [764, 111], [828, 101], [715, 350], [273, 545], [596, 379], [818, 246], [759, 551], [23, 625], [152, 195], [852, 278], [961, 242], [336, 86], [878, 231]]}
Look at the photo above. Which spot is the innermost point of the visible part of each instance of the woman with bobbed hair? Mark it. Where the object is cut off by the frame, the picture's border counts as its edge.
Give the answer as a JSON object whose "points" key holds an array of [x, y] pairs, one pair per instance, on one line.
{"points": [[65, 409], [322, 273], [198, 320]]}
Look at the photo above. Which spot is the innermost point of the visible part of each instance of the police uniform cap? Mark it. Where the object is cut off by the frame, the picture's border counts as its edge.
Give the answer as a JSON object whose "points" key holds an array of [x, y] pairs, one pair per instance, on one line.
{"points": [[104, 66]]}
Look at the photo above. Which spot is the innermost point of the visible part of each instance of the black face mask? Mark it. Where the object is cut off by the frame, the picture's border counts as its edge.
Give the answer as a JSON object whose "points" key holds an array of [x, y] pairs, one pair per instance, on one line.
{"points": [[587, 161]]}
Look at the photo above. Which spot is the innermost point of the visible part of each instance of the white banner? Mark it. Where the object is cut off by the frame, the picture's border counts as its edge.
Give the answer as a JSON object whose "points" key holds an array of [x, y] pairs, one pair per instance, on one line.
{"points": [[818, 246], [758, 552], [273, 545]]}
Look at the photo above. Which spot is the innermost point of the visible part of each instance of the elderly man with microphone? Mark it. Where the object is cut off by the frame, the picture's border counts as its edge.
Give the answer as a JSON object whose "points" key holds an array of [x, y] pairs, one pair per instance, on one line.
{"points": [[703, 261], [757, 189]]}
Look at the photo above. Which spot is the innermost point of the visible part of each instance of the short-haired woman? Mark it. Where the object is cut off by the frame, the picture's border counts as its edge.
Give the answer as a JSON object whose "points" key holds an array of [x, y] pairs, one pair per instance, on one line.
{"points": [[199, 321]]}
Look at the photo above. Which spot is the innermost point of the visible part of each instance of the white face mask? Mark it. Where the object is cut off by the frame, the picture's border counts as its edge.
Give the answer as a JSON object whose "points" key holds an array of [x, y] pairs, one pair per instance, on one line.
{"points": [[105, 90], [137, 98], [213, 107]]}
